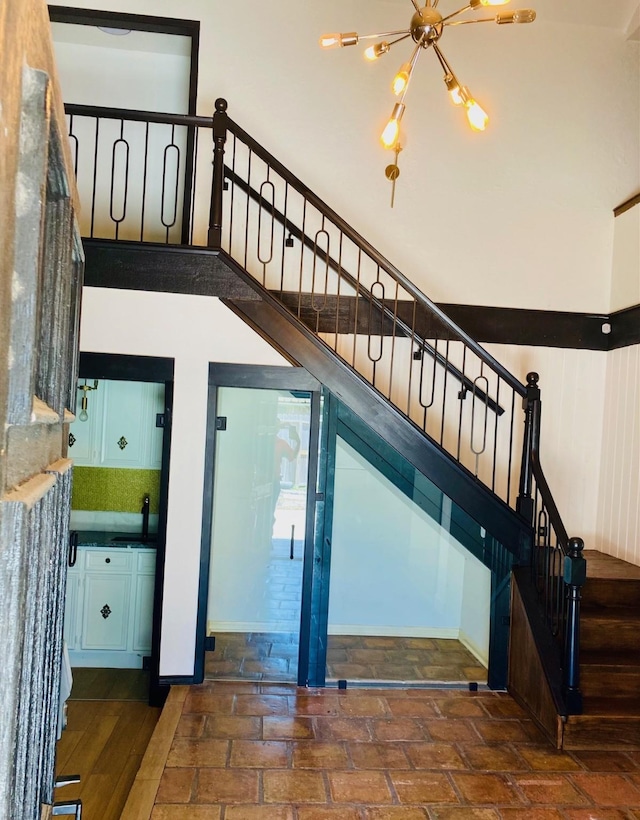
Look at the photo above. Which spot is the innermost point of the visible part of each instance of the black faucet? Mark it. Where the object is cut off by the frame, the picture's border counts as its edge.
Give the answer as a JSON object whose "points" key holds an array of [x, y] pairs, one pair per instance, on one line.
{"points": [[145, 517]]}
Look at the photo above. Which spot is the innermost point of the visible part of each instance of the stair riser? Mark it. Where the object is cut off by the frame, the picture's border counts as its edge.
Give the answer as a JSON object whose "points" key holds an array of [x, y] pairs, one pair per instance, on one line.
{"points": [[597, 681], [602, 733], [607, 635], [614, 592]]}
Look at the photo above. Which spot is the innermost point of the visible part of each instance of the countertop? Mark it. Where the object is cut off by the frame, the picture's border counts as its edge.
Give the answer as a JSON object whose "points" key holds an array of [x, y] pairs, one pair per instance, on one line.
{"points": [[101, 538]]}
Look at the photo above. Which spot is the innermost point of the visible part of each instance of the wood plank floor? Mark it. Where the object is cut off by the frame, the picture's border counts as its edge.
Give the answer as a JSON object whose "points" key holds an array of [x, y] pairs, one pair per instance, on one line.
{"points": [[104, 743]]}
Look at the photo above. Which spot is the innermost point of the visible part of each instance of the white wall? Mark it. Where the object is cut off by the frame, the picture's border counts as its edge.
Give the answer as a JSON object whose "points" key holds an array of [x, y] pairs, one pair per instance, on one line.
{"points": [[394, 571], [142, 70], [572, 384], [619, 498], [518, 216], [194, 330], [625, 280]]}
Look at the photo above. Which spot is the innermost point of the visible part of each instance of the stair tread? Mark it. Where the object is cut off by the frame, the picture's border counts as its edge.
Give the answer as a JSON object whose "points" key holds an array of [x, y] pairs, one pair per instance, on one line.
{"points": [[601, 565]]}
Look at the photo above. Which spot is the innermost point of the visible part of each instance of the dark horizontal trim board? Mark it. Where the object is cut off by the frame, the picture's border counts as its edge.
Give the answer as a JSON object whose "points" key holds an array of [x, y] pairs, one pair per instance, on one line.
{"points": [[513, 326], [160, 268], [625, 328], [118, 366], [136, 22], [201, 271]]}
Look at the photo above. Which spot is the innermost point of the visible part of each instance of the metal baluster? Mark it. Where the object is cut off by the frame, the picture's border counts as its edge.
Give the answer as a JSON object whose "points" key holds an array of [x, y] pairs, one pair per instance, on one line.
{"points": [[194, 190], [284, 238], [304, 222], [168, 224], [338, 290], [267, 185], [444, 390], [120, 141], [355, 317], [95, 176], [510, 464], [393, 339], [144, 180], [233, 191], [462, 395]]}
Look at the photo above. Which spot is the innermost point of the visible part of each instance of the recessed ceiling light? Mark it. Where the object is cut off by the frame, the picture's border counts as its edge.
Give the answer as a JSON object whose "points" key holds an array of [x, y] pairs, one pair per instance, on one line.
{"points": [[117, 32]]}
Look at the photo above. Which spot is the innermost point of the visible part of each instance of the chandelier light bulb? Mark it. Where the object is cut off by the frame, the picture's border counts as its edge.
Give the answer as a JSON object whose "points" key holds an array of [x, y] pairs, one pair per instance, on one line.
{"points": [[389, 136], [493, 2], [477, 116], [453, 88], [377, 50], [83, 412], [336, 40], [524, 16], [516, 16], [401, 80]]}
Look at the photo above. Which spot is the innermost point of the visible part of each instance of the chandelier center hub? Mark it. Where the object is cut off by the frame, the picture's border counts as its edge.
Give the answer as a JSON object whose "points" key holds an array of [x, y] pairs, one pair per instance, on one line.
{"points": [[426, 26]]}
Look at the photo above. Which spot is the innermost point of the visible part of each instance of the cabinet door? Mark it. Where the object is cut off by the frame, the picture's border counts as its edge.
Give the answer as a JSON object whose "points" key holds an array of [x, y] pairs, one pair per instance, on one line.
{"points": [[72, 617], [125, 418], [106, 610], [144, 613]]}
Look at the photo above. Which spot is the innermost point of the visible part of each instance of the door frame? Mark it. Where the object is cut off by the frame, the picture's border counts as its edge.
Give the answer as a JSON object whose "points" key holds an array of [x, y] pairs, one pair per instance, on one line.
{"points": [[155, 25], [269, 378], [119, 367]]}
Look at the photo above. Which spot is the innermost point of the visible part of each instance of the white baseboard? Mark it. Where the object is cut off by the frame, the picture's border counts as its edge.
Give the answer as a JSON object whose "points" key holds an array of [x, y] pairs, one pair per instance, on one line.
{"points": [[394, 631], [214, 627], [479, 654], [106, 659]]}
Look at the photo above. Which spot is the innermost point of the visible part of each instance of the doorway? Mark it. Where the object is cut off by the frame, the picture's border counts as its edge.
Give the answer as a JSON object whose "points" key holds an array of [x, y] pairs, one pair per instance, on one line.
{"points": [[260, 511], [140, 564]]}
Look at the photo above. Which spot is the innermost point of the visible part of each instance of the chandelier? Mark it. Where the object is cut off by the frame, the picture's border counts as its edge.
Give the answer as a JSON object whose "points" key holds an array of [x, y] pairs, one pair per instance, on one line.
{"points": [[426, 28]]}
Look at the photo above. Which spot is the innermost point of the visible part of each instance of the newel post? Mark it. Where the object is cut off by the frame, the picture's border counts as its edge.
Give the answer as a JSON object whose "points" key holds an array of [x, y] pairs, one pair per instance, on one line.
{"points": [[575, 574], [214, 238], [532, 407]]}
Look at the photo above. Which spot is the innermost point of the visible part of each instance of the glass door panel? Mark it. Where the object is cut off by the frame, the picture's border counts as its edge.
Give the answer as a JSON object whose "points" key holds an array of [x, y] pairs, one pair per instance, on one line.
{"points": [[258, 533], [408, 603]]}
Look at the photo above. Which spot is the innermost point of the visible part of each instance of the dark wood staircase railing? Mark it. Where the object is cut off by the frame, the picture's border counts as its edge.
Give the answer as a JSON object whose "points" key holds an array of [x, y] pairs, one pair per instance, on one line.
{"points": [[410, 360]]}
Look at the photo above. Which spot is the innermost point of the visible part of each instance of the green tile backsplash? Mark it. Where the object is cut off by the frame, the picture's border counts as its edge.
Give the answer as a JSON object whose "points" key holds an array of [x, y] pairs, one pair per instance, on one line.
{"points": [[113, 489]]}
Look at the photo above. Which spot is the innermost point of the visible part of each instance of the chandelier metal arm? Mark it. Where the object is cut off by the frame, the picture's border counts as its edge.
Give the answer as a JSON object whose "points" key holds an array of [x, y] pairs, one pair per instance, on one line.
{"points": [[415, 5], [413, 62], [443, 60], [400, 39], [404, 31], [456, 13], [467, 22]]}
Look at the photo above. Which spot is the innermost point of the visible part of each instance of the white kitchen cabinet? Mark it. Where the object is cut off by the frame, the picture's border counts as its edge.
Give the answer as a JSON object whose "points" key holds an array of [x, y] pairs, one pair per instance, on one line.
{"points": [[121, 429], [105, 616], [144, 612], [109, 607]]}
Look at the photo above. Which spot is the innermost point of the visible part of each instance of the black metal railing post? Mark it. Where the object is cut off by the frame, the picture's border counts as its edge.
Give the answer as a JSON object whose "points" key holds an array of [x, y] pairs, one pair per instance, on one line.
{"points": [[531, 442], [214, 236], [575, 574]]}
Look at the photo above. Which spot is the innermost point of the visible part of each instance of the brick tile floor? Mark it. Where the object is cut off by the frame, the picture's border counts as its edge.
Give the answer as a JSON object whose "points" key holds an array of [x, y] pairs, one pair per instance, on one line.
{"points": [[252, 751]]}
